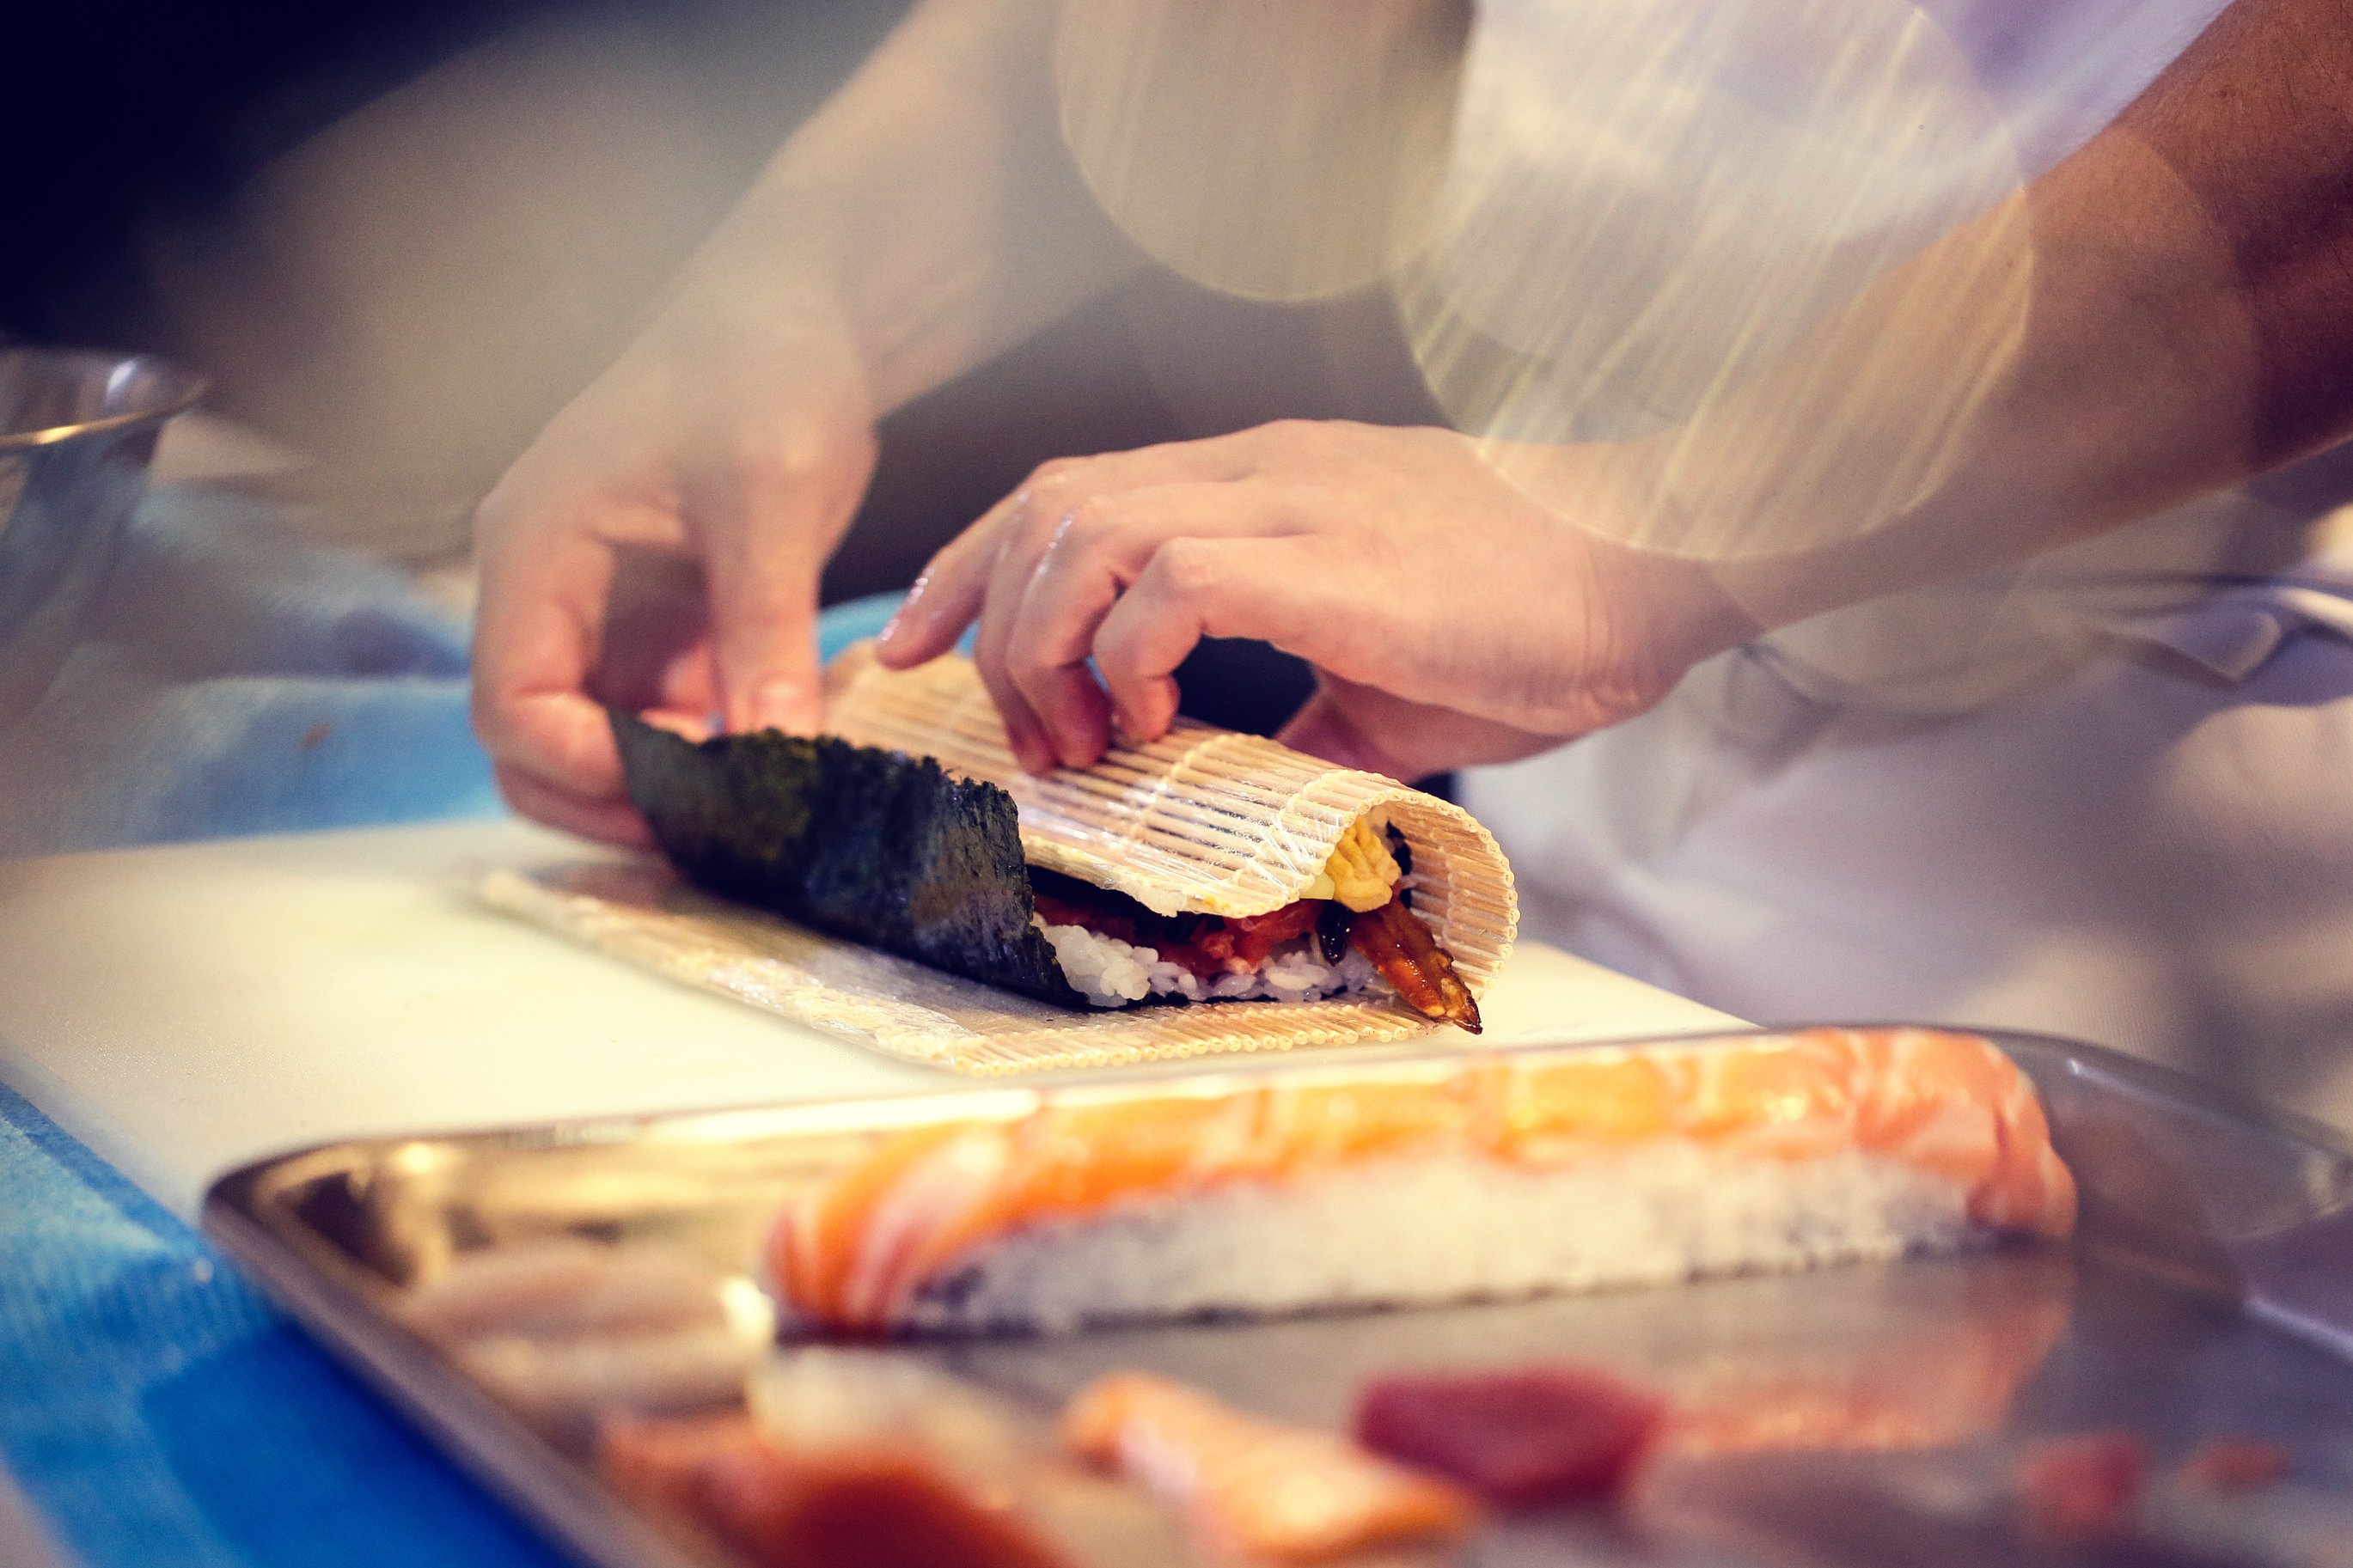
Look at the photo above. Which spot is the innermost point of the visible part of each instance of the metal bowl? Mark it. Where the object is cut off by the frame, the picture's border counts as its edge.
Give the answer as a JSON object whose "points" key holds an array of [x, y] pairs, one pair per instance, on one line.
{"points": [[78, 430]]}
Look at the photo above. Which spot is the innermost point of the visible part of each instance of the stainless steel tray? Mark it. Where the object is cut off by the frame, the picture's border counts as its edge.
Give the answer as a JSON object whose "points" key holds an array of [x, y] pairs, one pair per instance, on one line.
{"points": [[2209, 1292]]}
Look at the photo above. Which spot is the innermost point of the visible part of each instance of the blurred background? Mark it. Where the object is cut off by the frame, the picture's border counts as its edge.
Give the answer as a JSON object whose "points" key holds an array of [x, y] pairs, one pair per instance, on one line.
{"points": [[398, 235], [367, 222]]}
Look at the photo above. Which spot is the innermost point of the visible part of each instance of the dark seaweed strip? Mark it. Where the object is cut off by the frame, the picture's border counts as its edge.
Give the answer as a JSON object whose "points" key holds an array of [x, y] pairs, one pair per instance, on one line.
{"points": [[1402, 853], [1332, 927], [863, 843]]}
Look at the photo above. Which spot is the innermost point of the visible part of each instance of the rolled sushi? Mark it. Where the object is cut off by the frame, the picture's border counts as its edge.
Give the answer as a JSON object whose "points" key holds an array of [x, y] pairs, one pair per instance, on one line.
{"points": [[1508, 1175], [1209, 868]]}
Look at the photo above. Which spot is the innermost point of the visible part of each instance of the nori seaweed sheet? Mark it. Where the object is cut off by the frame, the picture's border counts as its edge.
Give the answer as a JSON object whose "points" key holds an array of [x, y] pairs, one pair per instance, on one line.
{"points": [[888, 850]]}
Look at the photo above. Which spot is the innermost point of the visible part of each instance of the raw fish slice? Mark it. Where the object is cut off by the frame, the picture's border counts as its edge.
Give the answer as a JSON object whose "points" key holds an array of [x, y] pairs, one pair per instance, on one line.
{"points": [[867, 1508], [1521, 1438], [1258, 1488]]}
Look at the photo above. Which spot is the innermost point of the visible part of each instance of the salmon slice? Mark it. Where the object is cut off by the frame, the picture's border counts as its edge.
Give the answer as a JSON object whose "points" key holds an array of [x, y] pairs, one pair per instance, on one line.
{"points": [[873, 1507], [1258, 1488], [1556, 1112], [855, 1251], [1318, 1125], [1085, 1156], [1952, 1104], [1522, 1437], [821, 1234]]}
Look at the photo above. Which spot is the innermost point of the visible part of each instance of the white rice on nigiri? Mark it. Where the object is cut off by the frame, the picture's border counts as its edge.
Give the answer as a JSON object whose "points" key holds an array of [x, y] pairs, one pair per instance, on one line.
{"points": [[1110, 972], [1413, 1230]]}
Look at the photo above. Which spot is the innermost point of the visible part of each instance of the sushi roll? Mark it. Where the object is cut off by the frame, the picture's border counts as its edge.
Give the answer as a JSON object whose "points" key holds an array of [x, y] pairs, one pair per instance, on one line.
{"points": [[1206, 867], [1496, 1176]]}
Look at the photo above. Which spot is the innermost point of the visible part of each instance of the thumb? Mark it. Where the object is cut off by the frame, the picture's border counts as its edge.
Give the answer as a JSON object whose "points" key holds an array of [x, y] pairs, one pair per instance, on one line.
{"points": [[764, 548]]}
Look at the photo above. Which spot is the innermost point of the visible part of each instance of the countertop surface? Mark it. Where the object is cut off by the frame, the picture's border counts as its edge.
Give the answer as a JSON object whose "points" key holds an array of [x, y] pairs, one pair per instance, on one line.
{"points": [[183, 1009]]}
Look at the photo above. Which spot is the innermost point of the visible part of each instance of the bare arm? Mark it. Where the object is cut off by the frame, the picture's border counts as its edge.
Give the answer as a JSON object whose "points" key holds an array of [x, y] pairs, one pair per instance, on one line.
{"points": [[660, 545], [932, 199], [2176, 301], [2188, 325]]}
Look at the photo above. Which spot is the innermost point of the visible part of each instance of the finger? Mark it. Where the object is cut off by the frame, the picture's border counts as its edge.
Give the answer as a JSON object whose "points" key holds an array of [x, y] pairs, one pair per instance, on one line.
{"points": [[609, 822], [1100, 548], [996, 541], [1024, 734], [1278, 590], [689, 684], [949, 594], [534, 649], [1018, 546], [765, 531], [1058, 498]]}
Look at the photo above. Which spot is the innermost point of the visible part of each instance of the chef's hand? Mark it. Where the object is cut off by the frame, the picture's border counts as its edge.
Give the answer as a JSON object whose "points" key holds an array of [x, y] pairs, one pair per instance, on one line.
{"points": [[1452, 618], [658, 547]]}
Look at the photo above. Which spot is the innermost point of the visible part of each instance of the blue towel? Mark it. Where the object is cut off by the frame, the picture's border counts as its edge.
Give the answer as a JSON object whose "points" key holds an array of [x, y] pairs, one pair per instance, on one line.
{"points": [[156, 1410], [235, 680], [153, 1407]]}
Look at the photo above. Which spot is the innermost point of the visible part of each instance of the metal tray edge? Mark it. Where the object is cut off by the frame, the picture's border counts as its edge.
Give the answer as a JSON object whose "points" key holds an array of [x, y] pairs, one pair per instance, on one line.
{"points": [[496, 1449]]}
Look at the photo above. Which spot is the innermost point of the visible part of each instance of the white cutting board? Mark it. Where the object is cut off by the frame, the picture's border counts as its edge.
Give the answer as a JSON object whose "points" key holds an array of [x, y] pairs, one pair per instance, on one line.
{"points": [[184, 1009]]}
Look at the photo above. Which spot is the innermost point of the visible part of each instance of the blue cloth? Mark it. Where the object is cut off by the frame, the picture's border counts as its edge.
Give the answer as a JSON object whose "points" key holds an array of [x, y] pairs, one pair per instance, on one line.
{"points": [[235, 680], [153, 1407], [156, 1410]]}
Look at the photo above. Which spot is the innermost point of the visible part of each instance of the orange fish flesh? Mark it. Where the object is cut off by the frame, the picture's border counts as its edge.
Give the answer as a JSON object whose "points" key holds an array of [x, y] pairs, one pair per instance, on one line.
{"points": [[851, 1252], [1260, 1489]]}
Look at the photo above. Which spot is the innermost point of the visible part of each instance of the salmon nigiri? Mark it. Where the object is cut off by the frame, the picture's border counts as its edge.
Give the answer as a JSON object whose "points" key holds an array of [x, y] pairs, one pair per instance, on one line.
{"points": [[1499, 1176]]}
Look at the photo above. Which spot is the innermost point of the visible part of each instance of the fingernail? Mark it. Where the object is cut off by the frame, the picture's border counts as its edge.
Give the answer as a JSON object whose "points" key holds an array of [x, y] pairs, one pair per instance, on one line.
{"points": [[782, 703]]}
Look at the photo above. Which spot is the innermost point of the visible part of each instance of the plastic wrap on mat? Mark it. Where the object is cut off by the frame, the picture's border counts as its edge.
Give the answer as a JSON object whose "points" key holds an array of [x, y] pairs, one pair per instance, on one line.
{"points": [[1201, 820]]}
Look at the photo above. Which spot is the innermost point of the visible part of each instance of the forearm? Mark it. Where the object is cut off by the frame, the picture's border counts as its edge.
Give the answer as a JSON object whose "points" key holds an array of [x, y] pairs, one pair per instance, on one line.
{"points": [[2192, 311], [931, 201], [2178, 305]]}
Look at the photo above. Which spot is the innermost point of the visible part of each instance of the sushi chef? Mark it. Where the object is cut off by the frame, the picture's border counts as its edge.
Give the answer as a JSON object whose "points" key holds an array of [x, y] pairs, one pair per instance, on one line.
{"points": [[1968, 641]]}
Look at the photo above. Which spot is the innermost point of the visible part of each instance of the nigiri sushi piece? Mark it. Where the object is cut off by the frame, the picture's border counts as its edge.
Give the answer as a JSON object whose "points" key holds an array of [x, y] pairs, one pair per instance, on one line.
{"points": [[1256, 1487], [1506, 1176]]}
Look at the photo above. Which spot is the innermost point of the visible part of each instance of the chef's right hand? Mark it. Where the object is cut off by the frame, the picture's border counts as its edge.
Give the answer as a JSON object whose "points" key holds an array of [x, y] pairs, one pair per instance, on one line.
{"points": [[658, 548]]}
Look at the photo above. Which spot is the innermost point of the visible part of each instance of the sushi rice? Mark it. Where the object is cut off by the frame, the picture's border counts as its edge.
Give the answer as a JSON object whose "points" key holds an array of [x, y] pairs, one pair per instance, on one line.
{"points": [[1427, 1230], [1110, 972], [1509, 1174]]}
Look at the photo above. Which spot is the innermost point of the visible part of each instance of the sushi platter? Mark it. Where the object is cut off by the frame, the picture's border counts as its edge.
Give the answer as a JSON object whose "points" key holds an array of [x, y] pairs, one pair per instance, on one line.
{"points": [[541, 1298]]}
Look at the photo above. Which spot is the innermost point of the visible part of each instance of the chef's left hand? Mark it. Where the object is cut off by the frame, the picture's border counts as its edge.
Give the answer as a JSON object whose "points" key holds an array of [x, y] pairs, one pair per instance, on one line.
{"points": [[1452, 617]]}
